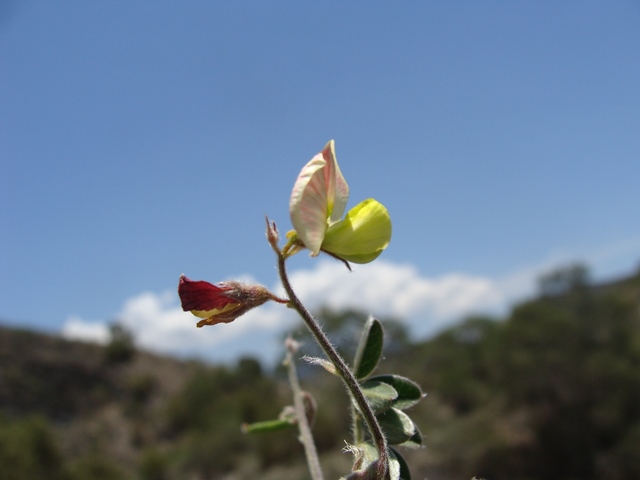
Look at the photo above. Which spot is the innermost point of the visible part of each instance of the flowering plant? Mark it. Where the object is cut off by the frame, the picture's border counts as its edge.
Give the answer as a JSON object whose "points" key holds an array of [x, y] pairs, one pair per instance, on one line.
{"points": [[318, 201]]}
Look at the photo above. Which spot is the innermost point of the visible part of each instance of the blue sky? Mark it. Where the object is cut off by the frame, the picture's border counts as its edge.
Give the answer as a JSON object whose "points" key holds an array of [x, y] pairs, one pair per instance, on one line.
{"points": [[142, 140]]}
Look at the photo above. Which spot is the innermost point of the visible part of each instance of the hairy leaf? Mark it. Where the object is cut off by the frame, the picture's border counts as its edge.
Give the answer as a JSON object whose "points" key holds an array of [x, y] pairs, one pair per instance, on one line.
{"points": [[369, 349], [366, 469], [397, 426], [379, 395], [409, 392], [405, 473], [415, 441]]}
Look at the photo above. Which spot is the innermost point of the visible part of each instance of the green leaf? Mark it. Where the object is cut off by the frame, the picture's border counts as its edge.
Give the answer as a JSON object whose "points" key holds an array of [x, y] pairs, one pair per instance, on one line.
{"points": [[379, 395], [394, 468], [415, 441], [409, 392], [369, 349], [405, 473], [267, 426], [397, 426], [369, 454]]}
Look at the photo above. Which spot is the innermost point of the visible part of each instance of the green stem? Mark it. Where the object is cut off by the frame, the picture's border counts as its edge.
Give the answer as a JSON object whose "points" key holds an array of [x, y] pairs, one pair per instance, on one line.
{"points": [[358, 435], [303, 424], [341, 367]]}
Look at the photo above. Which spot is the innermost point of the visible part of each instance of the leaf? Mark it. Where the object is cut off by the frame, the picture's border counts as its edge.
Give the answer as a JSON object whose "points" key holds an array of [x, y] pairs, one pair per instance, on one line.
{"points": [[405, 473], [326, 364], [267, 426], [415, 441], [369, 349], [379, 395], [369, 454], [396, 425], [394, 468], [409, 392]]}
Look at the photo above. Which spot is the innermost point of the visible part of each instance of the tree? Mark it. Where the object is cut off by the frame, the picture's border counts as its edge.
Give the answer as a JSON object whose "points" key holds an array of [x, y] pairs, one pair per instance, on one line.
{"points": [[563, 280], [121, 347]]}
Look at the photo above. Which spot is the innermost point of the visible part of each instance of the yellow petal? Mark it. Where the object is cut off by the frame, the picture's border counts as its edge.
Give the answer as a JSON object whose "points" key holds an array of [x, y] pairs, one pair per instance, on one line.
{"points": [[362, 235], [216, 311]]}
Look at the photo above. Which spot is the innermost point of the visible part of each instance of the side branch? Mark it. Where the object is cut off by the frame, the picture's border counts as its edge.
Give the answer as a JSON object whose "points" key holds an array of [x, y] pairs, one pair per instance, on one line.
{"points": [[303, 424]]}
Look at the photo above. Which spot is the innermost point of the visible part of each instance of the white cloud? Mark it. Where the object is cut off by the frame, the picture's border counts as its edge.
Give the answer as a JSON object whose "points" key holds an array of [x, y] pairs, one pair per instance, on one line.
{"points": [[387, 289], [96, 332], [382, 288], [159, 324]]}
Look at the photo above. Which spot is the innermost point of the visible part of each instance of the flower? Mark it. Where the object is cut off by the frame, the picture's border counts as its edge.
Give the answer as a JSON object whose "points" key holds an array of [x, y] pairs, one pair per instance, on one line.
{"points": [[221, 303], [319, 199]]}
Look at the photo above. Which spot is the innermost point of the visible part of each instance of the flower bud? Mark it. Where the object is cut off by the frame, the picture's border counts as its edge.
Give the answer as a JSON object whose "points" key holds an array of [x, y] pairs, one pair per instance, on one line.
{"points": [[221, 303]]}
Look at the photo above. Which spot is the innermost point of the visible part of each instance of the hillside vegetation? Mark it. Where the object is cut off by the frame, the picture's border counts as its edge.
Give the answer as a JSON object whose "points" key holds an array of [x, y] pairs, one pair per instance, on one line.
{"points": [[552, 391]]}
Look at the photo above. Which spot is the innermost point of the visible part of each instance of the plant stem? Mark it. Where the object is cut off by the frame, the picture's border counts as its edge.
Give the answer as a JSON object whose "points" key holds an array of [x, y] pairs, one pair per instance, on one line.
{"points": [[342, 368], [355, 425], [303, 424]]}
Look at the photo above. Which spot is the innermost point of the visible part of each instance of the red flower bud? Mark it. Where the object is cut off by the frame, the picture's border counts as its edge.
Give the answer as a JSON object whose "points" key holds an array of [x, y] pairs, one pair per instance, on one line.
{"points": [[221, 303]]}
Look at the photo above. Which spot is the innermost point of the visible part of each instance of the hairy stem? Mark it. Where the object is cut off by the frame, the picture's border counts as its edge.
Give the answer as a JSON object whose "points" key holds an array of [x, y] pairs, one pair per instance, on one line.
{"points": [[303, 424], [356, 431], [341, 367]]}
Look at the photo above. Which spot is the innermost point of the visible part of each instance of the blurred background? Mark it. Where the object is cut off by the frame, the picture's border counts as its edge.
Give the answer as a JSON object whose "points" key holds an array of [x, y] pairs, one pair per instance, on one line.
{"points": [[140, 141]]}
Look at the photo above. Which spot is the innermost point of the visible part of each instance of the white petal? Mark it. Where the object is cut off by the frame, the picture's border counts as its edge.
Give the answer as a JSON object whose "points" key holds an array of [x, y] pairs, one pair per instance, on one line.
{"points": [[309, 204], [337, 188]]}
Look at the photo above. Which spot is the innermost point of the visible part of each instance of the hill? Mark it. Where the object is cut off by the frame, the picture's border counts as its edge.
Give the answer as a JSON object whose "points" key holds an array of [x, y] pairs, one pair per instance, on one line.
{"points": [[71, 410], [550, 391]]}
